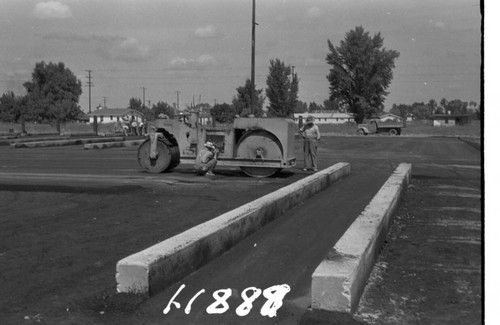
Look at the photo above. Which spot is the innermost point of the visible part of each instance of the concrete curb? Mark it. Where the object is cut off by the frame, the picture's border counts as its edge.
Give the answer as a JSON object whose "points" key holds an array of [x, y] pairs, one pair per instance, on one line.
{"points": [[58, 143], [153, 269], [339, 280], [106, 145]]}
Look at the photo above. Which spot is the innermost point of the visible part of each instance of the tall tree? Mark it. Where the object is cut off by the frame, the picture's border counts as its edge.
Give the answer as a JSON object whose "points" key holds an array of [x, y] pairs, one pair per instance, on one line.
{"points": [[53, 93], [282, 89], [361, 72], [241, 102]]}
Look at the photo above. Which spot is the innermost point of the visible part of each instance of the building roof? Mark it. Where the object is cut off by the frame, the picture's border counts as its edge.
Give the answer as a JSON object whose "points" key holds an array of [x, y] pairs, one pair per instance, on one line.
{"points": [[114, 112], [390, 115]]}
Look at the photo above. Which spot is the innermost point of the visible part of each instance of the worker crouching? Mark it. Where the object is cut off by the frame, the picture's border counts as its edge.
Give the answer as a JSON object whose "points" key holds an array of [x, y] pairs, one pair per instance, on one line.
{"points": [[206, 160]]}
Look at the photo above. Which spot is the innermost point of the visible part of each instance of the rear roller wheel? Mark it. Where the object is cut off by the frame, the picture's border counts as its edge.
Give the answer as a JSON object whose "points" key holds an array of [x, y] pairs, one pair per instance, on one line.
{"points": [[168, 156], [259, 145]]}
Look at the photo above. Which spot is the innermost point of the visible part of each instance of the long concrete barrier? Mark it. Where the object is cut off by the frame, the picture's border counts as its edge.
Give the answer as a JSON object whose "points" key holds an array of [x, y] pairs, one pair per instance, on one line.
{"points": [[153, 269], [118, 144], [57, 143], [339, 280]]}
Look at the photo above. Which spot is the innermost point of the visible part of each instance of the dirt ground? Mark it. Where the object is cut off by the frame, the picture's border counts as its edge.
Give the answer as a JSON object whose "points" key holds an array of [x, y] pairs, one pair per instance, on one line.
{"points": [[430, 270], [59, 258], [60, 240]]}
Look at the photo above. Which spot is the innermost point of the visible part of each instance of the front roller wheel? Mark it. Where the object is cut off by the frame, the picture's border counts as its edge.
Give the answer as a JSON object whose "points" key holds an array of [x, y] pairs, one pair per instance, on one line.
{"points": [[259, 145], [168, 156]]}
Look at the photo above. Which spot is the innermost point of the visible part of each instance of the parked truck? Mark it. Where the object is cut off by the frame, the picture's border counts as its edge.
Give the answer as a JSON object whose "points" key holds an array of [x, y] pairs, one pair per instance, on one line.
{"points": [[393, 127]]}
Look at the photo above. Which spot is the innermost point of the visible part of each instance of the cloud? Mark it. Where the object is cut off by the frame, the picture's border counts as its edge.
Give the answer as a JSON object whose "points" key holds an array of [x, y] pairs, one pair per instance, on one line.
{"points": [[112, 47], [52, 9], [313, 13], [130, 49], [201, 62], [437, 24], [206, 32]]}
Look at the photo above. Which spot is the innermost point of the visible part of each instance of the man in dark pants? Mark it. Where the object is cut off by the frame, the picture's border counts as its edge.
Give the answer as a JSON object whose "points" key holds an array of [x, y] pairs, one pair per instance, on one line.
{"points": [[310, 133], [206, 160]]}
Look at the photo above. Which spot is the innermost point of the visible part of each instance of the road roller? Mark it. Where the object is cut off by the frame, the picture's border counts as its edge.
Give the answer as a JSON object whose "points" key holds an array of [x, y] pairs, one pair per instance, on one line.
{"points": [[261, 147]]}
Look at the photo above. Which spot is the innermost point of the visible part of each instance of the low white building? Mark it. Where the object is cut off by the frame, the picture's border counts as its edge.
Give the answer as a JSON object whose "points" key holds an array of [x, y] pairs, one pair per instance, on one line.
{"points": [[333, 117], [113, 115]]}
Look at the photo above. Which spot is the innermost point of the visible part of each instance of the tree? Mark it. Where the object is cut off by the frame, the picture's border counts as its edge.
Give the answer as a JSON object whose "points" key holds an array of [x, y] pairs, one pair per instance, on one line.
{"points": [[433, 106], [313, 107], [361, 72], [421, 111], [53, 94], [402, 110], [9, 108], [282, 89], [137, 105], [163, 108], [331, 105], [223, 113], [456, 106], [442, 106], [300, 107], [241, 102]]}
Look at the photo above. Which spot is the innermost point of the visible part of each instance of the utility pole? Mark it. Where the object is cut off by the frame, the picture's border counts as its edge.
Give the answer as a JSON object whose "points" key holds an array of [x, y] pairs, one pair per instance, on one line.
{"points": [[252, 80], [178, 92], [90, 84], [143, 97]]}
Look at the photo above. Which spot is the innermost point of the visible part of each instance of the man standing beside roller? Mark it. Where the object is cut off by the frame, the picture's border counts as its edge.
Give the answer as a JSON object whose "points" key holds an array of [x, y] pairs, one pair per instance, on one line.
{"points": [[311, 135]]}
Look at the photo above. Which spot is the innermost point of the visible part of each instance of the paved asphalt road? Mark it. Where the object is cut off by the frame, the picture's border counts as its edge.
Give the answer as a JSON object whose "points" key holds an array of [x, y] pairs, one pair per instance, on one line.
{"points": [[285, 251]]}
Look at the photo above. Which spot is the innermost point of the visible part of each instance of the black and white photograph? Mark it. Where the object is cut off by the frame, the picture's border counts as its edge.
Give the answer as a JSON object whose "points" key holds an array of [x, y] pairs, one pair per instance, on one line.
{"points": [[309, 162]]}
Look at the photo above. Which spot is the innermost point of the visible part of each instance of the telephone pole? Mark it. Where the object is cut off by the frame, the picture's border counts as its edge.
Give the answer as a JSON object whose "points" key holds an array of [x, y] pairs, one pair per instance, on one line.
{"points": [[90, 84], [252, 80], [143, 97], [177, 92]]}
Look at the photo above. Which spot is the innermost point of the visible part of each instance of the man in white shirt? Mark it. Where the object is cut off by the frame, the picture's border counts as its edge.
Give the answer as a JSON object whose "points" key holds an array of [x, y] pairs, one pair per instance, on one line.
{"points": [[310, 133]]}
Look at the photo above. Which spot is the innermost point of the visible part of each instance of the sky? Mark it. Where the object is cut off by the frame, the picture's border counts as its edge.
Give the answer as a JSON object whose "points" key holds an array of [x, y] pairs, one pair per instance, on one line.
{"points": [[200, 50]]}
